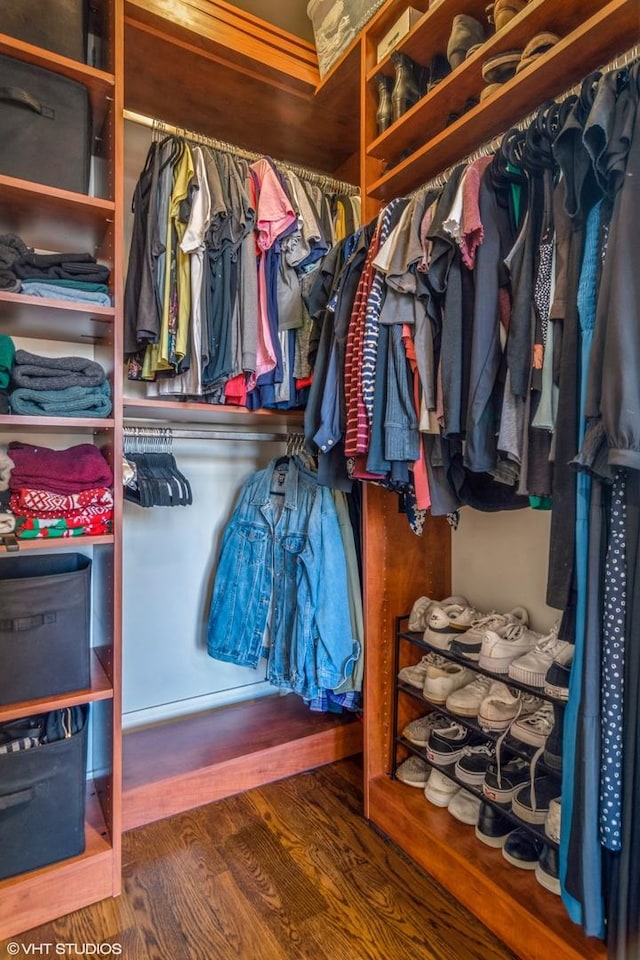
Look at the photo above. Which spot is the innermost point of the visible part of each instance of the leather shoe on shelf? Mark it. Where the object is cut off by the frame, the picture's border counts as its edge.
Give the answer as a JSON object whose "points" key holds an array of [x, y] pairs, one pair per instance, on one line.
{"points": [[466, 31], [535, 48], [502, 11], [384, 114], [522, 849], [501, 67], [438, 69], [408, 85]]}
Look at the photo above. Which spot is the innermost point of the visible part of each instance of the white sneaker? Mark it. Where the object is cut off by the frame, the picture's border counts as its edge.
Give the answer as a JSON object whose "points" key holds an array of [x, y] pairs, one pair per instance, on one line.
{"points": [[414, 772], [552, 820], [418, 731], [465, 701], [535, 728], [422, 608], [497, 651], [502, 706], [440, 789], [532, 667], [469, 644], [416, 674], [447, 621], [465, 807], [443, 679]]}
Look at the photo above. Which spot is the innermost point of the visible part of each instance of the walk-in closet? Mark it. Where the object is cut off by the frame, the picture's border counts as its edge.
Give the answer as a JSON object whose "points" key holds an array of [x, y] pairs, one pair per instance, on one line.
{"points": [[154, 415]]}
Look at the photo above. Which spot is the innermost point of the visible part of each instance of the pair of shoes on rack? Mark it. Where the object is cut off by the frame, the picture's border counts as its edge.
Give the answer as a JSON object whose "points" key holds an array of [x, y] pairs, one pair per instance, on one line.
{"points": [[457, 626], [409, 84], [442, 791]]}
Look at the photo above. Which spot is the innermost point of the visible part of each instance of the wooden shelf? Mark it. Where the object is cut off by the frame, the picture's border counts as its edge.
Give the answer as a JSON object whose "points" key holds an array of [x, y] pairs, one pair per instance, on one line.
{"points": [[100, 689], [430, 35], [601, 37], [15, 423], [529, 919], [99, 84], [174, 411], [40, 318], [59, 543], [174, 766], [40, 896], [45, 217]]}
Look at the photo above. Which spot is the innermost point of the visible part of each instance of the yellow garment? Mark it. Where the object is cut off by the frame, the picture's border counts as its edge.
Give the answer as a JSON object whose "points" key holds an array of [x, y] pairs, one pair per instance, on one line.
{"points": [[157, 354], [340, 226]]}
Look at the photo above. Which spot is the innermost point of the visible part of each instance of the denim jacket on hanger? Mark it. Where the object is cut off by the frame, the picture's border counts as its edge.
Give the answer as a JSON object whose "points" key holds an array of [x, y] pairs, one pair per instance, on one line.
{"points": [[282, 565]]}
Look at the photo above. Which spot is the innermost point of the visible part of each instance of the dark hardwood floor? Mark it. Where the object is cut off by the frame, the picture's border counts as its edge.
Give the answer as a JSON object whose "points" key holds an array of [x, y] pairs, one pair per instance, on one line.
{"points": [[290, 871]]}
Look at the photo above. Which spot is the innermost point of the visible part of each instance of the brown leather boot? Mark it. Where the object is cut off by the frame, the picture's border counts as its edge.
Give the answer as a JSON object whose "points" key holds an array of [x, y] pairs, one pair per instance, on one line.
{"points": [[384, 114]]}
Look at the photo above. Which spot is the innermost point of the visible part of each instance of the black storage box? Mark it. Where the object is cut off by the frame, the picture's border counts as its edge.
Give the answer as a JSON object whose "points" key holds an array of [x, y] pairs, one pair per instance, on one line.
{"points": [[57, 25], [42, 793], [44, 626], [45, 127]]}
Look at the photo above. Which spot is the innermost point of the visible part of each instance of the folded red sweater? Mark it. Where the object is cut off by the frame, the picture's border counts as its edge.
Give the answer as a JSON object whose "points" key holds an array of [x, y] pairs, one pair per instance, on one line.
{"points": [[60, 471]]}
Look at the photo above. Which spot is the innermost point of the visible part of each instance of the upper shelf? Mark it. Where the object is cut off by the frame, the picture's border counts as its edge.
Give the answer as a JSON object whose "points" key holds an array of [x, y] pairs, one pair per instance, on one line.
{"points": [[608, 32], [176, 411], [99, 84], [52, 219]]}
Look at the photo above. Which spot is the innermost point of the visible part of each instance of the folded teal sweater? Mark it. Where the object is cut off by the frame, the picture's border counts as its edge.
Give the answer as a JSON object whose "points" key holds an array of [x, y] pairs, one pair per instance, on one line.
{"points": [[70, 402], [7, 353]]}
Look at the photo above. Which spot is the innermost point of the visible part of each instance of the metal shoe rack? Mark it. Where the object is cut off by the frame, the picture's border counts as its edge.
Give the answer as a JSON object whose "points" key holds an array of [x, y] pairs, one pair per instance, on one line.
{"points": [[398, 743]]}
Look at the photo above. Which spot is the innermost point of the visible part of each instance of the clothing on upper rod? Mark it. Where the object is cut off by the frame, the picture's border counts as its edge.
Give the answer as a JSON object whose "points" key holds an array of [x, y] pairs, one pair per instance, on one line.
{"points": [[221, 256]]}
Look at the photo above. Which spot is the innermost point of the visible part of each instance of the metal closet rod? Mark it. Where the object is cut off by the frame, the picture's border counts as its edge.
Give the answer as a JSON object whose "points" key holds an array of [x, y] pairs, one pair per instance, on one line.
{"points": [[486, 149], [313, 176], [180, 433]]}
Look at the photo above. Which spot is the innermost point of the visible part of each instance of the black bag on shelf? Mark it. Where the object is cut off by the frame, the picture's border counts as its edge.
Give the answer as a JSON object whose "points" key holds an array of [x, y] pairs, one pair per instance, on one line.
{"points": [[42, 790], [45, 126], [56, 25], [44, 626]]}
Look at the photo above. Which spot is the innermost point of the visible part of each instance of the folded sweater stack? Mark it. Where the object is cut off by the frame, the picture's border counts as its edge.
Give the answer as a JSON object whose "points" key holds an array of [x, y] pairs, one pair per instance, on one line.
{"points": [[58, 387], [60, 493], [57, 276], [7, 356]]}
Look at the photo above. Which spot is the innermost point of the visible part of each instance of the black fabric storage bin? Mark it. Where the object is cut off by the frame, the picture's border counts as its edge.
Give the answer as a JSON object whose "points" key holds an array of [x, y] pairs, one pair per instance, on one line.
{"points": [[45, 126], [57, 25], [44, 626], [42, 800]]}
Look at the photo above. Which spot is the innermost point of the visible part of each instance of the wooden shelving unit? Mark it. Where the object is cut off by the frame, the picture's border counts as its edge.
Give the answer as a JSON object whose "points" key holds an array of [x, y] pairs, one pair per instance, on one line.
{"points": [[50, 219]]}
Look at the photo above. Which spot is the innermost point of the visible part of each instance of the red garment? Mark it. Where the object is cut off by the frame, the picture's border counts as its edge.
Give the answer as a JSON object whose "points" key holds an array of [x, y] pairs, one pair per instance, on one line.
{"points": [[420, 477], [235, 390], [357, 430], [89, 512], [32, 502], [472, 229], [60, 471], [303, 382]]}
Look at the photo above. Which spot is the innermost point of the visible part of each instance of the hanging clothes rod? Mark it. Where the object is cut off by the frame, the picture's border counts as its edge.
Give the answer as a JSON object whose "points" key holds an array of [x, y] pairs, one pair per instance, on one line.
{"points": [[180, 433], [328, 184], [490, 147]]}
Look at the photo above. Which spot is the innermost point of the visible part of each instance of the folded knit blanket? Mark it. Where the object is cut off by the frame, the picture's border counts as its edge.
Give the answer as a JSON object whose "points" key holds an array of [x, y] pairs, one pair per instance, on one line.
{"points": [[77, 468], [60, 266], [55, 373], [34, 502], [70, 402]]}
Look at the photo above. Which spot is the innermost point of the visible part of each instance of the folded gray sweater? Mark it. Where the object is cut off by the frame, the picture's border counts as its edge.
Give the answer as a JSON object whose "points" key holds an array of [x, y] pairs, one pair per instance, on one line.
{"points": [[54, 373]]}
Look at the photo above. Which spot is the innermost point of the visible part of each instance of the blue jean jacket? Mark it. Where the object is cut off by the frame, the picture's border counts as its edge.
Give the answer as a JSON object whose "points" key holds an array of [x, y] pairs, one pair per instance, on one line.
{"points": [[282, 564]]}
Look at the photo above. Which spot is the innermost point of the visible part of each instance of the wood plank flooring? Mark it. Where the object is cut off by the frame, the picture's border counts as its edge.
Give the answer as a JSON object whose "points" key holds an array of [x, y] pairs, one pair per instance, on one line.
{"points": [[290, 871]]}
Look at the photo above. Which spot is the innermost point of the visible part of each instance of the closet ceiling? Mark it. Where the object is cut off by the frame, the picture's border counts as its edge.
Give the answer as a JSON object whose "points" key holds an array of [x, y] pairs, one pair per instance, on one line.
{"points": [[176, 53]]}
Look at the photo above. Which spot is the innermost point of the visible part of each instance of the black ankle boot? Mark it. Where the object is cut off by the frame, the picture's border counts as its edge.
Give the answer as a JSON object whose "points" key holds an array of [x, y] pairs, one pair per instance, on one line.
{"points": [[407, 88], [384, 114]]}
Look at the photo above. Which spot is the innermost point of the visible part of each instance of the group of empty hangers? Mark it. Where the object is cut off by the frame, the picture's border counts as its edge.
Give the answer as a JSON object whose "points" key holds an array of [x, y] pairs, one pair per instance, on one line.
{"points": [[151, 476]]}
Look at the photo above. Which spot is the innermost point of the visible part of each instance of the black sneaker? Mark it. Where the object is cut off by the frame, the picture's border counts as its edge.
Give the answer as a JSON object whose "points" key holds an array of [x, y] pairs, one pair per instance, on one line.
{"points": [[446, 745], [548, 869], [500, 786], [493, 827], [531, 801], [522, 850], [469, 649], [473, 764], [553, 747]]}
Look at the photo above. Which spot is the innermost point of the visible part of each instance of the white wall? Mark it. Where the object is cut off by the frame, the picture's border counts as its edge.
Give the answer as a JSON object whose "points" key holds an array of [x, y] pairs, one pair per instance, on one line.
{"points": [[499, 560]]}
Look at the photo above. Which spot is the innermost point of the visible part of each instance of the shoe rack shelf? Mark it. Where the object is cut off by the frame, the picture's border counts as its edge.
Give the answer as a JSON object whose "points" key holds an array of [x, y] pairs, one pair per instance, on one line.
{"points": [[427, 138], [515, 747]]}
